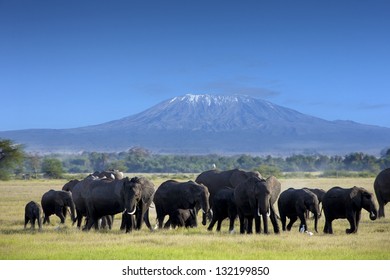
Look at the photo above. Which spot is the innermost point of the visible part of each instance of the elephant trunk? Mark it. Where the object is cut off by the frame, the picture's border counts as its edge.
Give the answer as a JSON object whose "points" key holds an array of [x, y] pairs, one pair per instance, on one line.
{"points": [[316, 221], [72, 212], [373, 214]]}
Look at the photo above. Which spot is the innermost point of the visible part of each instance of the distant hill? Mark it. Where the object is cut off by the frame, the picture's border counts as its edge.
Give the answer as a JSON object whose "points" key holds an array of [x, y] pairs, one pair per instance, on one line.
{"points": [[202, 124]]}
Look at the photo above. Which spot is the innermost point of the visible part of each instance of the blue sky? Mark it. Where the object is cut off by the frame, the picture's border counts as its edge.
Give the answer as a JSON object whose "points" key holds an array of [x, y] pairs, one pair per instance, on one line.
{"points": [[66, 64]]}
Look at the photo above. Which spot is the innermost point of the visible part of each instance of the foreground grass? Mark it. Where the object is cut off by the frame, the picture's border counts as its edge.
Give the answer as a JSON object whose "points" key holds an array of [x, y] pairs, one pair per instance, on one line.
{"points": [[66, 242]]}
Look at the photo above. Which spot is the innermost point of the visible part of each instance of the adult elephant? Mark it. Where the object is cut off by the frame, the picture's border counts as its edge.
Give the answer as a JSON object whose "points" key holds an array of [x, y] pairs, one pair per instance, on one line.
{"points": [[32, 214], [58, 203], [216, 180], [70, 185], [127, 196], [79, 201], [224, 206], [253, 199], [342, 203], [382, 190], [293, 203], [140, 200], [173, 195]]}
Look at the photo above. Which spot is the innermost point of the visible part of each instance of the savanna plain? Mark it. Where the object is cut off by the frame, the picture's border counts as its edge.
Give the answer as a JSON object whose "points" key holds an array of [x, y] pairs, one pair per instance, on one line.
{"points": [[66, 242]]}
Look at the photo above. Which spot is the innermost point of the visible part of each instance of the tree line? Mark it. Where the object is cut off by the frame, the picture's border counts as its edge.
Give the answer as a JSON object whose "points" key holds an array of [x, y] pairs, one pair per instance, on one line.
{"points": [[140, 160]]}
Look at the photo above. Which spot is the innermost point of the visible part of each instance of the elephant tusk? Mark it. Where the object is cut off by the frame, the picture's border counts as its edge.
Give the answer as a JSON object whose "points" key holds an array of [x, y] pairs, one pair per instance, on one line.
{"points": [[258, 213], [268, 213], [132, 212]]}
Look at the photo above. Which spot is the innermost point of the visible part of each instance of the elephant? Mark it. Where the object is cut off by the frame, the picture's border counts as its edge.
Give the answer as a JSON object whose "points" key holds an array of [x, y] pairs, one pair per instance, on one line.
{"points": [[347, 203], [224, 206], [140, 200], [216, 180], [70, 185], [109, 174], [57, 202], [182, 218], [109, 197], [293, 203], [320, 194], [253, 200], [173, 195], [382, 190], [32, 213], [76, 187]]}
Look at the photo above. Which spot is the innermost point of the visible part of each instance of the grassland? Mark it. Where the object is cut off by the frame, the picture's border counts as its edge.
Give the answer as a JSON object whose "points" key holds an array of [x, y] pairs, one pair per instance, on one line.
{"points": [[65, 242]]}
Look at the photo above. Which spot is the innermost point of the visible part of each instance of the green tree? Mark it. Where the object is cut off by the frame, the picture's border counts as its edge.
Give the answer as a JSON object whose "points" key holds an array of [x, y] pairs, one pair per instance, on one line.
{"points": [[52, 168], [11, 157]]}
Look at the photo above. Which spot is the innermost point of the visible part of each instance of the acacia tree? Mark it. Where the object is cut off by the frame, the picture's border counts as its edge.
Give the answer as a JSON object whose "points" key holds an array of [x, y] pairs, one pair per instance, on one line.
{"points": [[52, 168], [11, 157]]}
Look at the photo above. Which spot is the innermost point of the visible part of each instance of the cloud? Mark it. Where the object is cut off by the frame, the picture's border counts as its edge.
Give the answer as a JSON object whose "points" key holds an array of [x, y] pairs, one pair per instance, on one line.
{"points": [[231, 88], [364, 106]]}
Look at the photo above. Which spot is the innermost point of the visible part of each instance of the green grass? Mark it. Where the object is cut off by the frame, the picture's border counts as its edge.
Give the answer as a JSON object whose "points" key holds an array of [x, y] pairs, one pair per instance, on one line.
{"points": [[372, 242]]}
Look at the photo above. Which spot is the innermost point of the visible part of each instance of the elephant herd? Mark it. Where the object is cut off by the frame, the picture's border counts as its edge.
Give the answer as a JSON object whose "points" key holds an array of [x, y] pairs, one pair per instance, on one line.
{"points": [[219, 194]]}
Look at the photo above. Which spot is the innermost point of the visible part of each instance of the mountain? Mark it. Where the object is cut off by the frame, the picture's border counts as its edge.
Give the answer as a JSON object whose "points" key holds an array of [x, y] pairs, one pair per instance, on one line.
{"points": [[201, 124]]}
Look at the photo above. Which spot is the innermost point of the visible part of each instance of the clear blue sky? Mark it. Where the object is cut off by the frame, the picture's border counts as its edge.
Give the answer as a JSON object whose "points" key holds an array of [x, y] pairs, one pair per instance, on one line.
{"points": [[67, 64]]}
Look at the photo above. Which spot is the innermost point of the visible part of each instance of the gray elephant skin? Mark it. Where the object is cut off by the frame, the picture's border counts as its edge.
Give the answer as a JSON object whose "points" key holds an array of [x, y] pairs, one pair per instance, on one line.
{"points": [[224, 206], [141, 198], [173, 195], [112, 174], [293, 203], [253, 201], [183, 218], [58, 203], [347, 203], [216, 180], [77, 187], [382, 190], [320, 194], [33, 213], [99, 198]]}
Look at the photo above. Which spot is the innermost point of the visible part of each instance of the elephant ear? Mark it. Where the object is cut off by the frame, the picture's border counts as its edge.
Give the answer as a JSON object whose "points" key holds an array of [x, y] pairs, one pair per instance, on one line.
{"points": [[356, 197]]}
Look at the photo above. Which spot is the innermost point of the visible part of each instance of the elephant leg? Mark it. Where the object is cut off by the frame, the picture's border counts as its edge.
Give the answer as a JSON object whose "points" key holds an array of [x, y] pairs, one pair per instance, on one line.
{"points": [[212, 223], [357, 219], [303, 225], [26, 220], [249, 229], [129, 222], [123, 222], [160, 221], [33, 222], [46, 219], [59, 211], [265, 223], [231, 224], [351, 217], [243, 225], [257, 224], [219, 224], [168, 223], [283, 219], [274, 221], [146, 219], [381, 211], [79, 218], [90, 222], [138, 223], [292, 221], [328, 226]]}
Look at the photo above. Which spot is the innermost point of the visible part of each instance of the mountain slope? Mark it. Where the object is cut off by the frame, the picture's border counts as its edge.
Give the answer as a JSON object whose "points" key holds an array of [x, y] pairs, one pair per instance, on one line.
{"points": [[213, 124]]}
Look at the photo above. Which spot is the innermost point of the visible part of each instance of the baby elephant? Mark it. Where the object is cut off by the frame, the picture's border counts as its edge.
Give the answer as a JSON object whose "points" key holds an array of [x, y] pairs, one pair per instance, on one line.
{"points": [[32, 213]]}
